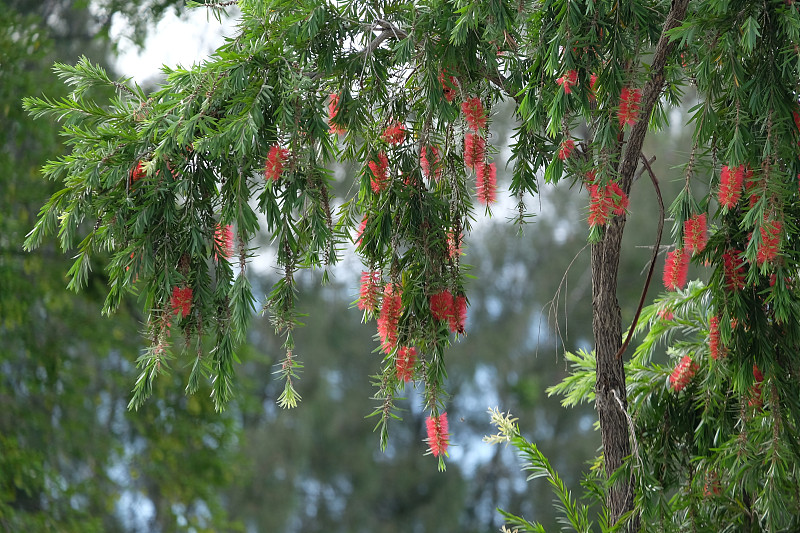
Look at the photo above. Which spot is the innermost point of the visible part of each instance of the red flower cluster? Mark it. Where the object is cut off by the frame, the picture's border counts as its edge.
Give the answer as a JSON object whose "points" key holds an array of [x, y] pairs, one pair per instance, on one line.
{"points": [[733, 270], [223, 241], [694, 233], [430, 168], [676, 268], [445, 307], [389, 318], [592, 83], [275, 161], [453, 244], [181, 301], [380, 173], [474, 150], [438, 437], [486, 183], [448, 86], [566, 149], [770, 240], [474, 113], [370, 290], [755, 391], [605, 200], [361, 229], [568, 81], [137, 173], [404, 363], [333, 110], [683, 373], [665, 314], [730, 186], [629, 106], [714, 338], [395, 133]]}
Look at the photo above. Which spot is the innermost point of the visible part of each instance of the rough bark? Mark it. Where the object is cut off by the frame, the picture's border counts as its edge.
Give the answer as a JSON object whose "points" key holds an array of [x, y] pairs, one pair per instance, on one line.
{"points": [[611, 397]]}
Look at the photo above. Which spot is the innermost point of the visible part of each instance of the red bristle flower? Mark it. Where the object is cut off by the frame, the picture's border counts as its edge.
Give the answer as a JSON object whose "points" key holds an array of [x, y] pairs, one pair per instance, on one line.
{"points": [[733, 270], [389, 318], [695, 234], [458, 315], [370, 290], [486, 183], [474, 150], [474, 114], [568, 80], [629, 106], [755, 399], [730, 186], [380, 173], [404, 363], [600, 206], [453, 244], [275, 161], [592, 83], [620, 200], [395, 133], [361, 229], [770, 241], [442, 305], [448, 86], [137, 173], [438, 437], [665, 314], [566, 149], [683, 373], [333, 110], [181, 301], [223, 241], [430, 167], [714, 346], [676, 268]]}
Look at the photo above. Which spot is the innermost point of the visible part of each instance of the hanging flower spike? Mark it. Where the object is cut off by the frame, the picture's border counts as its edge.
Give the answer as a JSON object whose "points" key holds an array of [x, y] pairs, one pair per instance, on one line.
{"points": [[360, 230], [275, 161], [370, 290], [223, 241], [395, 133], [380, 173], [676, 268], [665, 314], [453, 244], [695, 234], [404, 363], [137, 173], [441, 305], [474, 150], [618, 197], [683, 373], [474, 114], [592, 83], [755, 399], [770, 241], [730, 186], [629, 106], [389, 318], [438, 437], [566, 149], [181, 301], [486, 183], [568, 81], [333, 110], [600, 206], [458, 317], [448, 86], [714, 338], [427, 165], [733, 270]]}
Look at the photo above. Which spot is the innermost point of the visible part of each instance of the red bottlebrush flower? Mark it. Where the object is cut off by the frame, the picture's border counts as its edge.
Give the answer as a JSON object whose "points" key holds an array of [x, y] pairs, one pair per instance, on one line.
{"points": [[629, 106], [453, 244], [730, 186], [389, 318], [427, 165], [333, 110], [676, 268], [395, 133], [360, 230], [448, 86], [694, 233], [755, 399], [600, 206], [438, 437], [474, 113], [223, 241], [714, 338], [486, 183], [404, 363], [620, 200], [665, 314], [683, 373], [442, 305], [137, 173], [566, 149], [568, 80], [592, 83], [770, 241], [181, 301], [474, 150], [733, 270], [458, 316], [712, 486], [380, 173], [370, 290], [275, 161]]}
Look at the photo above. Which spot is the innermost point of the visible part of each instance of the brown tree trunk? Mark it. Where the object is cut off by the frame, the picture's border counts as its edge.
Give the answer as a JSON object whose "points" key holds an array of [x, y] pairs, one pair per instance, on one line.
{"points": [[611, 397]]}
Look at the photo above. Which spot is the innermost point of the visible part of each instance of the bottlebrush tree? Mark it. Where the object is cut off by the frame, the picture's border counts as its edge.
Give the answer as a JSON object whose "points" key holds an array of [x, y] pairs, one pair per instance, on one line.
{"points": [[405, 91]]}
